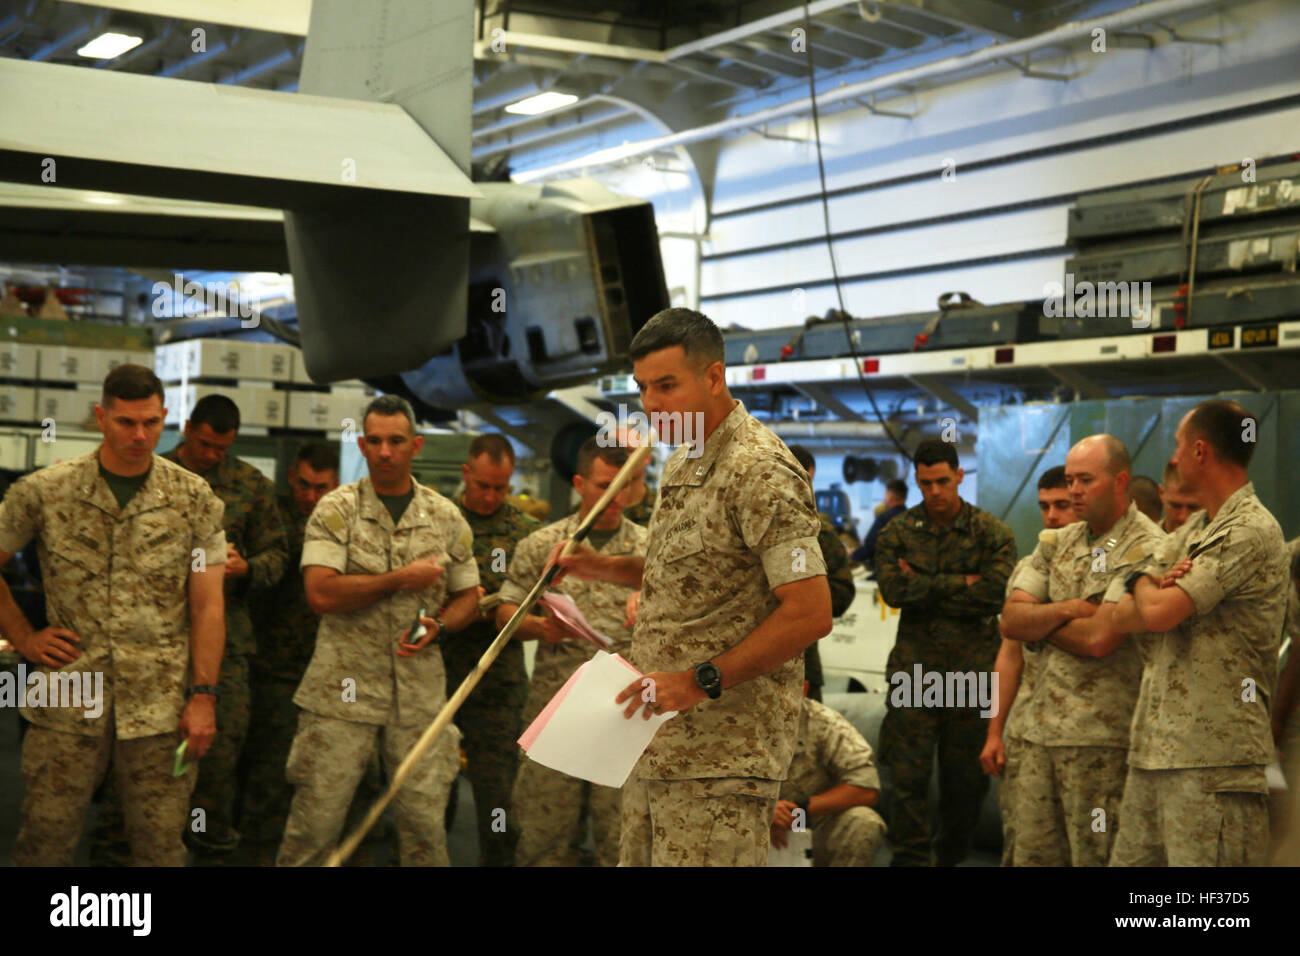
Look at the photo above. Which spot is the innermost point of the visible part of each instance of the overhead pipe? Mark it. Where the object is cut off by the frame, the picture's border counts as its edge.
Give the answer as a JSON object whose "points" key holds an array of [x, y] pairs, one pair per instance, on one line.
{"points": [[1057, 36]]}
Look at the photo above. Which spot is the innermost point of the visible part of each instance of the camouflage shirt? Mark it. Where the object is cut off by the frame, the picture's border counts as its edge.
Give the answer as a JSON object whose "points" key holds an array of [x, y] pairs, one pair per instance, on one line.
{"points": [[119, 579], [937, 607], [730, 526], [604, 605], [355, 656], [1086, 701], [641, 512], [829, 752], [839, 575], [254, 528], [495, 539], [1194, 708], [1016, 722], [281, 614]]}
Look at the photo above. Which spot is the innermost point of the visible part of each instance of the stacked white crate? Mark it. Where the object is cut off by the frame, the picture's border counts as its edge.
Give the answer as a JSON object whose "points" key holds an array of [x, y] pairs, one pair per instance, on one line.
{"points": [[313, 409], [84, 368], [199, 367]]}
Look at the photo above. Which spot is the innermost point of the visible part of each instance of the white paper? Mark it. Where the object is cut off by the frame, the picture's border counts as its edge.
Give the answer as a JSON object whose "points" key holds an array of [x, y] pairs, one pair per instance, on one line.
{"points": [[587, 735], [796, 852]]}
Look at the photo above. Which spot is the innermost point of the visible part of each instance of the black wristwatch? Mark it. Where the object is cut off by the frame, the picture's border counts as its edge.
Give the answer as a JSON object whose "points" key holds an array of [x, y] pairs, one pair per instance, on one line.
{"points": [[203, 689], [1131, 581], [709, 678]]}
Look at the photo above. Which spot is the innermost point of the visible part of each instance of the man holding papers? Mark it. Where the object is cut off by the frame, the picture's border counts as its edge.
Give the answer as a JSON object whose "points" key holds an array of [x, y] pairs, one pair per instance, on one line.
{"points": [[733, 589], [548, 805]]}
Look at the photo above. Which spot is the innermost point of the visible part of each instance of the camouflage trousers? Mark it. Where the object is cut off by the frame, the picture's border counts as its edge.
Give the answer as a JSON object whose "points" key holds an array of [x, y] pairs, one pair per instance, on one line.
{"points": [[852, 837], [265, 794], [1013, 748], [722, 821], [328, 760], [218, 783], [1201, 816], [490, 723], [1056, 798], [60, 773], [909, 738], [548, 809]]}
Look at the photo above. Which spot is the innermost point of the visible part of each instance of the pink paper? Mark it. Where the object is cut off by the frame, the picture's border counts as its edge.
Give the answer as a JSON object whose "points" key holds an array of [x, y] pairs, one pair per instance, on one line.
{"points": [[535, 728]]}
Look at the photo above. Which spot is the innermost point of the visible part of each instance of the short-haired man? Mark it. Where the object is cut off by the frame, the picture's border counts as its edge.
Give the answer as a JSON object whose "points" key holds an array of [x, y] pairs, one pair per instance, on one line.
{"points": [[733, 590], [550, 807], [833, 784], [894, 505], [131, 551], [1016, 671], [1177, 502], [945, 564], [286, 627], [1146, 495], [839, 576], [1078, 712], [490, 719], [377, 552], [256, 555], [1211, 609]]}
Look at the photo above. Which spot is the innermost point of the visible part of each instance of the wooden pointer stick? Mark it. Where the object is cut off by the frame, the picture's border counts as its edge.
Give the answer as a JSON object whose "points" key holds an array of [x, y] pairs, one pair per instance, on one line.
{"points": [[634, 462]]}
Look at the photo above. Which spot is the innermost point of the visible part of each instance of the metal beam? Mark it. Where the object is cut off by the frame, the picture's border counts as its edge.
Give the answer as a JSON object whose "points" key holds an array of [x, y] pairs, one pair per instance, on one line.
{"points": [[982, 16], [1079, 382], [939, 390], [1244, 369], [825, 399]]}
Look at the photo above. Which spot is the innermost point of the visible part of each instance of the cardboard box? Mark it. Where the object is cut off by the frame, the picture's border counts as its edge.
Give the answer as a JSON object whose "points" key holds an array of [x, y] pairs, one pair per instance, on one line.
{"points": [[259, 406], [108, 359], [17, 403], [68, 407], [65, 363], [19, 360], [325, 411], [199, 359]]}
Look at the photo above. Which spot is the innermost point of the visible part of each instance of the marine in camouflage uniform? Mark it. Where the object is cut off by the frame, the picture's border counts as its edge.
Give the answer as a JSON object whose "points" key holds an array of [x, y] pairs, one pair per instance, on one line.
{"points": [[357, 689], [1076, 715], [548, 806], [839, 575], [1013, 729], [945, 626], [831, 752], [1201, 735], [489, 720], [722, 539], [255, 529], [118, 577]]}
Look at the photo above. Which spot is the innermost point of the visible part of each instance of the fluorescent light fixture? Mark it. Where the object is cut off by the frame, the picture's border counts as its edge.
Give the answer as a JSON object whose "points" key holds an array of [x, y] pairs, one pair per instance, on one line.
{"points": [[541, 103], [108, 46]]}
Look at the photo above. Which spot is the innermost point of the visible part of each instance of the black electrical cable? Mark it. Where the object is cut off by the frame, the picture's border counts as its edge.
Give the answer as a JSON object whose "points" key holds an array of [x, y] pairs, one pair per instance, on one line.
{"points": [[830, 243]]}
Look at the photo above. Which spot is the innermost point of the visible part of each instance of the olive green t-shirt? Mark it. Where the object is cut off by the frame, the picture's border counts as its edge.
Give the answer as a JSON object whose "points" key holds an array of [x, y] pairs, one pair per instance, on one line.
{"points": [[396, 504], [123, 487]]}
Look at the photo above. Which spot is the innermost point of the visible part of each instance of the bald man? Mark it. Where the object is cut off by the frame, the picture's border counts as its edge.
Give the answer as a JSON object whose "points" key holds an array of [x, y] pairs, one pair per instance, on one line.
{"points": [[1077, 715]]}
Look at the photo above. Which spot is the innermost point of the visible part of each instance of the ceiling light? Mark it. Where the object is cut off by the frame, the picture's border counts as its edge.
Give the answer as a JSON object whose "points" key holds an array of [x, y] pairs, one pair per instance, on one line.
{"points": [[541, 103], [108, 46]]}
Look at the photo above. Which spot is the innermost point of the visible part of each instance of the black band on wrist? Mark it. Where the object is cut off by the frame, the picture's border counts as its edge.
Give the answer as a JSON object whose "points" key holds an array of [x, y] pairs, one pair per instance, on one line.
{"points": [[204, 689]]}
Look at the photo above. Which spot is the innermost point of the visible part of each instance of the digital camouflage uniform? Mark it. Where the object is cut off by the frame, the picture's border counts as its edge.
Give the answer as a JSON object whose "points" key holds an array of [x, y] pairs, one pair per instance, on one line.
{"points": [[254, 528], [1013, 731], [830, 752], [945, 626], [839, 576], [1196, 793], [731, 525], [1077, 718], [641, 512], [549, 807], [119, 579], [489, 720], [357, 689]]}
